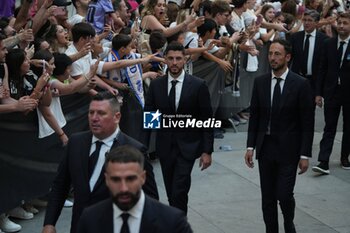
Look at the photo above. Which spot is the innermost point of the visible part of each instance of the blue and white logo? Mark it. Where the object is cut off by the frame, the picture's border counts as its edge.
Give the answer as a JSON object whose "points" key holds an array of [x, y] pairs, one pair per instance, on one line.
{"points": [[152, 120]]}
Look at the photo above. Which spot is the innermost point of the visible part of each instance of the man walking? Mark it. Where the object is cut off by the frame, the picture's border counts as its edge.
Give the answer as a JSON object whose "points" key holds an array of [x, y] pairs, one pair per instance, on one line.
{"points": [[281, 132], [334, 86], [82, 166], [129, 210], [177, 149]]}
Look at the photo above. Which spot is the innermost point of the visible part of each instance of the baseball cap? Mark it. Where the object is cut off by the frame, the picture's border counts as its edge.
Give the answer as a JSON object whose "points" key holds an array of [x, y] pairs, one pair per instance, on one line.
{"points": [[61, 3]]}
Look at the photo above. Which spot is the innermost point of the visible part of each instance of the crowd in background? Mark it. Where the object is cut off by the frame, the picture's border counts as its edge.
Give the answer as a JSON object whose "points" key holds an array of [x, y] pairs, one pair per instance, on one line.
{"points": [[52, 48]]}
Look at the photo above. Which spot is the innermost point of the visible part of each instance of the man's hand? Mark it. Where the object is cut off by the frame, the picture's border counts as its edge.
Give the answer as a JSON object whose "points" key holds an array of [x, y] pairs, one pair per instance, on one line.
{"points": [[204, 161], [49, 229], [303, 165], [318, 101], [249, 158], [225, 65]]}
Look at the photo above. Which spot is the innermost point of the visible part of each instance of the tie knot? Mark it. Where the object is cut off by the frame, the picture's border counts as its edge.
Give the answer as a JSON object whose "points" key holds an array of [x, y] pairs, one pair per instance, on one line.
{"points": [[308, 36], [174, 82], [98, 145], [278, 79], [125, 216], [342, 43]]}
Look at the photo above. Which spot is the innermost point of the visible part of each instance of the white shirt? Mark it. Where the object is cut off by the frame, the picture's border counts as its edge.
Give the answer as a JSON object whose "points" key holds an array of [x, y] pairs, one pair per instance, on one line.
{"points": [[76, 19], [106, 146], [82, 65], [178, 87], [310, 57], [134, 220]]}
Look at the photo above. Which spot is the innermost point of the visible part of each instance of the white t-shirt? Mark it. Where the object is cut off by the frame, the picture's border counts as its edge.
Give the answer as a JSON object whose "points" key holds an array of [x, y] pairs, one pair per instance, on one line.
{"points": [[82, 65], [76, 19]]}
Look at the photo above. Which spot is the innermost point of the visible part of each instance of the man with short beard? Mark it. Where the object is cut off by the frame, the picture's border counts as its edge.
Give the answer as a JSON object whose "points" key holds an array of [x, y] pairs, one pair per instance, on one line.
{"points": [[129, 209], [281, 130]]}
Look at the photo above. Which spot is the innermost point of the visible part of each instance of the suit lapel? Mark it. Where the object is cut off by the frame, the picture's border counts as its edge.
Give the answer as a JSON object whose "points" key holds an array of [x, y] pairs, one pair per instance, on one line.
{"points": [[106, 219], [288, 85], [85, 152], [267, 92], [347, 53], [186, 86], [148, 217]]}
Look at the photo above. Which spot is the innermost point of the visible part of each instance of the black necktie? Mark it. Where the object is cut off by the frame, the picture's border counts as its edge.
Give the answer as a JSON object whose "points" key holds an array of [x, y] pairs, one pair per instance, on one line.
{"points": [[340, 52], [125, 226], [172, 95], [305, 55], [275, 105], [94, 158]]}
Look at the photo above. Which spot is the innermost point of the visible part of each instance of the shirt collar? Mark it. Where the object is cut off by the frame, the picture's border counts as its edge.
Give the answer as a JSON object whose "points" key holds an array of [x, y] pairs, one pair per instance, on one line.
{"points": [[109, 140], [313, 33], [283, 76], [180, 78], [135, 211], [346, 40]]}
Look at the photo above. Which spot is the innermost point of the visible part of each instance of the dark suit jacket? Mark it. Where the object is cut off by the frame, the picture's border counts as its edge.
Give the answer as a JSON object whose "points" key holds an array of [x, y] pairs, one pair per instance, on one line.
{"points": [[297, 42], [296, 117], [156, 218], [73, 171], [329, 72], [194, 100]]}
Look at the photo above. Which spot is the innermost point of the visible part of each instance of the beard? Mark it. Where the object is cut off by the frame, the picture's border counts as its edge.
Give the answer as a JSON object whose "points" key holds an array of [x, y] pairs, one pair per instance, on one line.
{"points": [[277, 67], [125, 206]]}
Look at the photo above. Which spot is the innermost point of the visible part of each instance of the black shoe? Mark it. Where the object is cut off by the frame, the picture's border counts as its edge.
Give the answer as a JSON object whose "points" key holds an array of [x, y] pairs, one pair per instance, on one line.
{"points": [[322, 168], [345, 164], [218, 135]]}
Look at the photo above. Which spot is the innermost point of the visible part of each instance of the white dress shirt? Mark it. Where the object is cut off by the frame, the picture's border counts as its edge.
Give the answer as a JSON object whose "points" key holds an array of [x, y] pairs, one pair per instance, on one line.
{"points": [[106, 146], [134, 220], [178, 87], [310, 57]]}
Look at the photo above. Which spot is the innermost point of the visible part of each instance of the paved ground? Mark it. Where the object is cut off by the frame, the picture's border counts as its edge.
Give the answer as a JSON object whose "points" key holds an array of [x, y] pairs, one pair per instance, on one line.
{"points": [[226, 197]]}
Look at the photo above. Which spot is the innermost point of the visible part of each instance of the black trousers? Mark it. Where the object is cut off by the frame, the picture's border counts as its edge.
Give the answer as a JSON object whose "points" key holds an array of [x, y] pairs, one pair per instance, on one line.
{"points": [[277, 180], [332, 109], [177, 177]]}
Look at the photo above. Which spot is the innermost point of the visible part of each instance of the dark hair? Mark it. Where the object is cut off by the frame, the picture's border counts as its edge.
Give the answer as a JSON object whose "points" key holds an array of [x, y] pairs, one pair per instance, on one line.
{"points": [[174, 46], [207, 26], [125, 154], [14, 60], [344, 15], [238, 3], [105, 95], [289, 7], [4, 22], [174, 37], [313, 14], [206, 6], [41, 54], [62, 61], [219, 6], [157, 40], [120, 40], [265, 8], [82, 30], [286, 45]]}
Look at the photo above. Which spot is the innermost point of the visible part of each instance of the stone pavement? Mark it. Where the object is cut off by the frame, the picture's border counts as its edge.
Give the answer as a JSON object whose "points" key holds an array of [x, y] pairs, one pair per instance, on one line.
{"points": [[226, 197]]}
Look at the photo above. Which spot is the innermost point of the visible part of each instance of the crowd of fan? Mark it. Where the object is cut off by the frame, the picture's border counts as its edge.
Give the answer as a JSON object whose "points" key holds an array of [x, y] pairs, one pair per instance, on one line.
{"points": [[52, 48]]}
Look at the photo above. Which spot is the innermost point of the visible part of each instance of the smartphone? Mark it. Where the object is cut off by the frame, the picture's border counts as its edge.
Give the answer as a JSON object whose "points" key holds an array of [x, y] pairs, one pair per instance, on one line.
{"points": [[30, 24], [301, 9], [59, 11], [43, 61], [200, 11], [259, 19]]}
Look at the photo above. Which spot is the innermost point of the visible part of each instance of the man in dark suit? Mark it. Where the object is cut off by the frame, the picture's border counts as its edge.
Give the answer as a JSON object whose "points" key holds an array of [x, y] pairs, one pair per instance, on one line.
{"points": [[307, 48], [177, 149], [281, 132], [129, 209], [82, 166], [334, 87]]}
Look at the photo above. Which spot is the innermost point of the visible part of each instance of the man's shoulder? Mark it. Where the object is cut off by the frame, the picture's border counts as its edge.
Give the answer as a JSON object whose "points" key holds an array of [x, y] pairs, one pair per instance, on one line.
{"points": [[81, 135], [93, 210], [126, 139], [158, 207]]}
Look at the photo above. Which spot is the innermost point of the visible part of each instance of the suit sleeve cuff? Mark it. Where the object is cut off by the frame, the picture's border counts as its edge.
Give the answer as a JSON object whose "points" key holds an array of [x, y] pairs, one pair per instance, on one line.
{"points": [[250, 148], [303, 157]]}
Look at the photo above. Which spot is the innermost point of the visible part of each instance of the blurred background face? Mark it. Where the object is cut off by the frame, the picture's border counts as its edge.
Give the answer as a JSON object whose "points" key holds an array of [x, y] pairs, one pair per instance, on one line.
{"points": [[51, 66], [309, 24], [269, 14], [343, 27], [25, 66], [62, 35], [3, 52], [159, 9]]}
